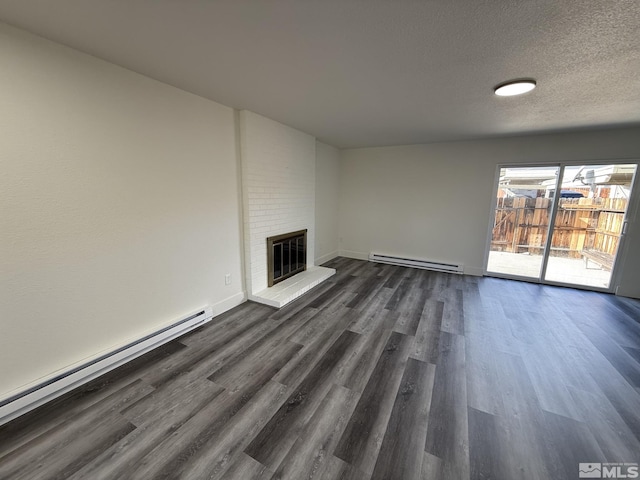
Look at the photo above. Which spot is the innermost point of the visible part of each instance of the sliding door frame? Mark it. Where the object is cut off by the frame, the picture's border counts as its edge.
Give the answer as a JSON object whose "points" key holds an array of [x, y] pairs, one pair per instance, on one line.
{"points": [[552, 222], [632, 206]]}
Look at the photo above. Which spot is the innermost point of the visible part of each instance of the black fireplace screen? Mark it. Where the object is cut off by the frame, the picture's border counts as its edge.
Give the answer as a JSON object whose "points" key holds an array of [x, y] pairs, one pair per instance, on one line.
{"points": [[286, 255]]}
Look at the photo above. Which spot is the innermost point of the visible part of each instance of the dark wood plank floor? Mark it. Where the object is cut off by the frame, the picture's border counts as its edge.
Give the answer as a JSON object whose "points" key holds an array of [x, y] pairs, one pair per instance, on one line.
{"points": [[382, 372]]}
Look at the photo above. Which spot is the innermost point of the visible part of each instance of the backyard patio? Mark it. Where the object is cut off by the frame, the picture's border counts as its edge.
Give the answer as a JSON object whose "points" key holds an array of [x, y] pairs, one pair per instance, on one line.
{"points": [[563, 270]]}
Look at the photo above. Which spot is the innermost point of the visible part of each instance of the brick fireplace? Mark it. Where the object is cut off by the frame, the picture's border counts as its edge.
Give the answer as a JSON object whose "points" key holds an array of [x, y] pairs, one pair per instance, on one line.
{"points": [[278, 188]]}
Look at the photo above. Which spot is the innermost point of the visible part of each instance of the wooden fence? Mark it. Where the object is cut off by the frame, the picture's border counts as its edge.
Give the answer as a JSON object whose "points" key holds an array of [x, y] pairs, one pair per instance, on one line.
{"points": [[581, 224]]}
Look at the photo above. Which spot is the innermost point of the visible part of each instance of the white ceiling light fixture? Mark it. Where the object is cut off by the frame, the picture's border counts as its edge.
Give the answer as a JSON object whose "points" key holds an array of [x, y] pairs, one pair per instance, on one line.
{"points": [[514, 87]]}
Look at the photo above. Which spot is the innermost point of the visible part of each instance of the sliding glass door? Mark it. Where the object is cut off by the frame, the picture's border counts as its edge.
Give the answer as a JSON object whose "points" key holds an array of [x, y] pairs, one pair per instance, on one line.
{"points": [[588, 228], [560, 224], [521, 221]]}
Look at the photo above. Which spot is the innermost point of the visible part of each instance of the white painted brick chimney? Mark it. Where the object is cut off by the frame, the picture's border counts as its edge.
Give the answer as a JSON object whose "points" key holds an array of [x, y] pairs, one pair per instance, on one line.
{"points": [[278, 187]]}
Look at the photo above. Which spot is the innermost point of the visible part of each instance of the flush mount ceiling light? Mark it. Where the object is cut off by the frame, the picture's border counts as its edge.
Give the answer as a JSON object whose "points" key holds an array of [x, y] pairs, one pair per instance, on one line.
{"points": [[514, 87]]}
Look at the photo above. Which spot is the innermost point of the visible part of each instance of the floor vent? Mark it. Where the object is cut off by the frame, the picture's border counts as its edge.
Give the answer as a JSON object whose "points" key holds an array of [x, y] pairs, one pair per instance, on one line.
{"points": [[417, 263]]}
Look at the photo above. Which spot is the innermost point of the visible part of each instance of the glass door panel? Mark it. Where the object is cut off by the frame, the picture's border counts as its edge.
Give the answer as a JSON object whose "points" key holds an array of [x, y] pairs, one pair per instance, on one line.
{"points": [[521, 222], [589, 224]]}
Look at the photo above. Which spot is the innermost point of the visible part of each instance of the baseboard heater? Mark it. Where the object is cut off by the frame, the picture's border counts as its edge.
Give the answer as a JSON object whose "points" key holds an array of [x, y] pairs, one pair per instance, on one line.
{"points": [[417, 263], [61, 383]]}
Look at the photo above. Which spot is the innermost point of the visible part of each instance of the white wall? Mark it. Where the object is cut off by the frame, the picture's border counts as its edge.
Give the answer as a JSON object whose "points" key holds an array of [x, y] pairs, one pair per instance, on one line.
{"points": [[629, 278], [433, 201], [278, 183], [327, 202], [119, 207]]}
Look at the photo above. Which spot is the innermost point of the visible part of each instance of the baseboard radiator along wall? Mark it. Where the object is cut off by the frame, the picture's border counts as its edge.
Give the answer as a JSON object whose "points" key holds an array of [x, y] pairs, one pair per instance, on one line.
{"points": [[19, 403], [417, 263]]}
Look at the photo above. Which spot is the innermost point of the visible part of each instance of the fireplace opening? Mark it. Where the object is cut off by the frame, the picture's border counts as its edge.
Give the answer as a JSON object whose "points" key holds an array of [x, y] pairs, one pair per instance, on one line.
{"points": [[286, 255]]}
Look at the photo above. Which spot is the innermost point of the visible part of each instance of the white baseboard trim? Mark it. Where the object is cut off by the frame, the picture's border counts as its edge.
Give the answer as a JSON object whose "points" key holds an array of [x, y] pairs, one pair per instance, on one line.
{"points": [[627, 292], [38, 393], [229, 303], [476, 272], [327, 257], [355, 255]]}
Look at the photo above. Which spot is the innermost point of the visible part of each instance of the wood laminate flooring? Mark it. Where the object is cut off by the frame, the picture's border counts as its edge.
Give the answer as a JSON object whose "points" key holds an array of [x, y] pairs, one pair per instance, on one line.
{"points": [[382, 372]]}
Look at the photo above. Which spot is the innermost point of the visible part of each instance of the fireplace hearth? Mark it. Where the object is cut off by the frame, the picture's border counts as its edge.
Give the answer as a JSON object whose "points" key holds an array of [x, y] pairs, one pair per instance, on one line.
{"points": [[286, 255]]}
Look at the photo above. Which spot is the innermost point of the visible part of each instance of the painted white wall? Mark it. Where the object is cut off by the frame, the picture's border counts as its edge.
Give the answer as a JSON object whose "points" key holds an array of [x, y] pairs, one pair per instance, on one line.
{"points": [[629, 269], [433, 201], [327, 202], [278, 185], [119, 207]]}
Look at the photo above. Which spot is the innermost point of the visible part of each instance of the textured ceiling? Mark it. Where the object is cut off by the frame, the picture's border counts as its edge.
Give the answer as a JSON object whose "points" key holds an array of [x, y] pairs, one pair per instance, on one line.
{"points": [[372, 72]]}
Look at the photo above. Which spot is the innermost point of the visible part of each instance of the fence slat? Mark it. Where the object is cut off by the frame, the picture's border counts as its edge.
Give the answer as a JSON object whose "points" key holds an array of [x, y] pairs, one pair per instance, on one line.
{"points": [[521, 225]]}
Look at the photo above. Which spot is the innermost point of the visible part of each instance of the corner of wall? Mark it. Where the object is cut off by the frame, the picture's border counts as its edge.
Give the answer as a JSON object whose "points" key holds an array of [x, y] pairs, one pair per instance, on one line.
{"points": [[354, 255], [241, 200], [327, 258], [242, 154]]}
